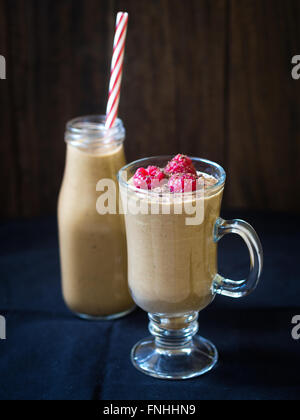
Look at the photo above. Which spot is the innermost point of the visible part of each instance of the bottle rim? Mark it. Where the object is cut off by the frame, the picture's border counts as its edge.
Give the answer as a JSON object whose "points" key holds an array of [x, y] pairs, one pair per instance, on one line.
{"points": [[90, 132]]}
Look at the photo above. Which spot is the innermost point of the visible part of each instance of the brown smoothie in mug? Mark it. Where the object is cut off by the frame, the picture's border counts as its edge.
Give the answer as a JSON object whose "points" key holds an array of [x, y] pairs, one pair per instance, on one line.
{"points": [[172, 265]]}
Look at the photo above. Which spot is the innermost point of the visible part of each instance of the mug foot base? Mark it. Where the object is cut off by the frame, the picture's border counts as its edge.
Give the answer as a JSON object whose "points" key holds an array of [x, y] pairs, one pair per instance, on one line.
{"points": [[198, 357], [105, 318]]}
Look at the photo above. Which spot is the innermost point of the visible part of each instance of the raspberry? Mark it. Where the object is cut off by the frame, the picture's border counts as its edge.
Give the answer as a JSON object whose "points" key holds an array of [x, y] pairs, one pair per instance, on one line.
{"points": [[155, 172], [148, 178], [180, 164], [182, 183], [142, 179]]}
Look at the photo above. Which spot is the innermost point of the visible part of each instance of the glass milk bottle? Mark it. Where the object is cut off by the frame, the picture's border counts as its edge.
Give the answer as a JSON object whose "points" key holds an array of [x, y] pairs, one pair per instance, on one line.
{"points": [[92, 246]]}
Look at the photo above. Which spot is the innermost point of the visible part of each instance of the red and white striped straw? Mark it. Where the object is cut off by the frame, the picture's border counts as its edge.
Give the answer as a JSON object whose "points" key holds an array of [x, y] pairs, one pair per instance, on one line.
{"points": [[116, 70]]}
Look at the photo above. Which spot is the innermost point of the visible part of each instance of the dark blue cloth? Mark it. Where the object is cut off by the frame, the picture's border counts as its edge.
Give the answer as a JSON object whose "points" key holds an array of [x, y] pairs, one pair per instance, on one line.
{"points": [[49, 354]]}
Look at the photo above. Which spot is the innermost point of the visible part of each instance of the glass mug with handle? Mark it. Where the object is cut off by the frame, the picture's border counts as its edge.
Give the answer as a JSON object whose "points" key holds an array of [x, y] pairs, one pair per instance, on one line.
{"points": [[172, 267]]}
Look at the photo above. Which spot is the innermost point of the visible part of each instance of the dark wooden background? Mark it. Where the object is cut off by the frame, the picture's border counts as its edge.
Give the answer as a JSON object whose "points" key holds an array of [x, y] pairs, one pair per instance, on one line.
{"points": [[210, 78]]}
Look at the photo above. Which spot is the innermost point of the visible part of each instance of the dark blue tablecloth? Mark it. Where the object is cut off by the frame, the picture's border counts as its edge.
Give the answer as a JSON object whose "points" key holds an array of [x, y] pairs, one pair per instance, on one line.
{"points": [[49, 354]]}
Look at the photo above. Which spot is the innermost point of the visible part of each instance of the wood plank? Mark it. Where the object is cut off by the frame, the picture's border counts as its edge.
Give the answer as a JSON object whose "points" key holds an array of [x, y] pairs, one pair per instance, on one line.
{"points": [[8, 153], [20, 21], [72, 50], [264, 120], [173, 88], [58, 52]]}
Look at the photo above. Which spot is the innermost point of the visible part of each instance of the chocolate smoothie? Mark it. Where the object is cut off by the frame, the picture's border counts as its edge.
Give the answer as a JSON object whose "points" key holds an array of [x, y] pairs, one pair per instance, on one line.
{"points": [[92, 246], [172, 265]]}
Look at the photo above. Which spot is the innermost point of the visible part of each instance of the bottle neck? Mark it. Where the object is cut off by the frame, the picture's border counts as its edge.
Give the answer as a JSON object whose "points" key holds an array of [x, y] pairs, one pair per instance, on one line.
{"points": [[89, 133]]}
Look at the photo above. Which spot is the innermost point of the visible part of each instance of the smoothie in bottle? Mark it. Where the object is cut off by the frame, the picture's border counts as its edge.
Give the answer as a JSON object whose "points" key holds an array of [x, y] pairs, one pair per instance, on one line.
{"points": [[92, 246]]}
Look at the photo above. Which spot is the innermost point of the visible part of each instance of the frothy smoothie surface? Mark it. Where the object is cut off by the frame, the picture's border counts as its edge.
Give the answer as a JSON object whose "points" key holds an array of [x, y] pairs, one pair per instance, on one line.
{"points": [[203, 181]]}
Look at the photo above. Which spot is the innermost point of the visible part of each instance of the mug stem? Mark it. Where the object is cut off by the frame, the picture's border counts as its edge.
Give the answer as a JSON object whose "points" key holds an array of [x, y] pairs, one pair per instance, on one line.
{"points": [[173, 332]]}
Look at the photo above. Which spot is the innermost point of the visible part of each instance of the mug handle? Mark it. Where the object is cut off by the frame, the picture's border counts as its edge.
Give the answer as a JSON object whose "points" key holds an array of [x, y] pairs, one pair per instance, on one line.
{"points": [[241, 288]]}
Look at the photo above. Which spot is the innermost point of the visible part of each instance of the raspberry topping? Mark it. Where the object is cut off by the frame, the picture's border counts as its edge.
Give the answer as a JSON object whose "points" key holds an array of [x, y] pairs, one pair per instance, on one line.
{"points": [[180, 164], [141, 179], [183, 183], [155, 172], [148, 178]]}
